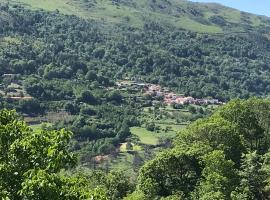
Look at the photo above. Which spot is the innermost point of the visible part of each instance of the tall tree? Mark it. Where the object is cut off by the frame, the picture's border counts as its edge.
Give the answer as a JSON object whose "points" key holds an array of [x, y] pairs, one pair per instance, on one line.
{"points": [[30, 163]]}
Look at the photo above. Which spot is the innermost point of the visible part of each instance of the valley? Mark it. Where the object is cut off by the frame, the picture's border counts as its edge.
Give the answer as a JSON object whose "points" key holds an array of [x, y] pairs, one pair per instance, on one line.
{"points": [[133, 100], [157, 124]]}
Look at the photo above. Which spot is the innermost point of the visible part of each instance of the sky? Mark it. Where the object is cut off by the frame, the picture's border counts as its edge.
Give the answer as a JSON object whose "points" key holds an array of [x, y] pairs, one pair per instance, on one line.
{"points": [[260, 7]]}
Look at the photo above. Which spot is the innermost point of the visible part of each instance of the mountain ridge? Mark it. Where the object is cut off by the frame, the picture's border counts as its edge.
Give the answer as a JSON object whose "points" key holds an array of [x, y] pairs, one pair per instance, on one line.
{"points": [[193, 16], [223, 65]]}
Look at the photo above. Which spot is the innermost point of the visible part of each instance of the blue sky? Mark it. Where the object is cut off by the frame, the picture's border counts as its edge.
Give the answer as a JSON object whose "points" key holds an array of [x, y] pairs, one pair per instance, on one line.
{"points": [[261, 7]]}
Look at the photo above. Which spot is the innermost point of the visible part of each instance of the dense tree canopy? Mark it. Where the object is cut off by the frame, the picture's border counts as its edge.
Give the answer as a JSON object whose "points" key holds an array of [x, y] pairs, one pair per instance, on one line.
{"points": [[32, 164], [54, 46], [30, 161], [224, 156], [70, 64]]}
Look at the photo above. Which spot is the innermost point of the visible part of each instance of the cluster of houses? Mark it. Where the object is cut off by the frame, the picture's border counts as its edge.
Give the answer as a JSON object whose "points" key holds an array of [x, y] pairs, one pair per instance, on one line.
{"points": [[178, 99], [164, 94], [134, 85]]}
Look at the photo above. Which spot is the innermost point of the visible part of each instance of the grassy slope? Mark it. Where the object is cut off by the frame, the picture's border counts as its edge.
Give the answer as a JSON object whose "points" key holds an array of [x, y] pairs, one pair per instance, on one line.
{"points": [[178, 13], [151, 138]]}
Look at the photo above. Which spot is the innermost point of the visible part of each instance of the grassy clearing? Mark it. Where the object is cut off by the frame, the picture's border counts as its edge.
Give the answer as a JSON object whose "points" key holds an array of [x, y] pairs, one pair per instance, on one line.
{"points": [[122, 162], [38, 127], [152, 138], [137, 148], [63, 6], [174, 128], [192, 25], [146, 137], [124, 147]]}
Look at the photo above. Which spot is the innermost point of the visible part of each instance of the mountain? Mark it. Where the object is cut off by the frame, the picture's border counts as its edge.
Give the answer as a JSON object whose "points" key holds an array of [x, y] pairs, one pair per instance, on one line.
{"points": [[125, 77], [209, 18], [202, 50]]}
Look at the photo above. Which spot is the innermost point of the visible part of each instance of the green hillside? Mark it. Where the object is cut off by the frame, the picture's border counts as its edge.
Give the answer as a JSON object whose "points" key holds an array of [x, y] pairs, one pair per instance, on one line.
{"points": [[149, 40], [130, 99], [63, 69], [209, 18]]}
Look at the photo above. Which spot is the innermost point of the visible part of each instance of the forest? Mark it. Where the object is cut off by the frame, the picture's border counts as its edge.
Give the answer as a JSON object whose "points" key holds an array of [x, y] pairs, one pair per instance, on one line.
{"points": [[46, 48], [223, 156], [76, 121]]}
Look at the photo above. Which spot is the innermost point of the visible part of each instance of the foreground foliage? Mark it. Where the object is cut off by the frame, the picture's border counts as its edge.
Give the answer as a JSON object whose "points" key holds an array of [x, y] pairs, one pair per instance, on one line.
{"points": [[225, 156], [32, 164]]}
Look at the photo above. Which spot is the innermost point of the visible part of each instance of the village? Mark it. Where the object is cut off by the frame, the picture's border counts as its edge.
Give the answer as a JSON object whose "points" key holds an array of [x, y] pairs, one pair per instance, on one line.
{"points": [[15, 91], [164, 94]]}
